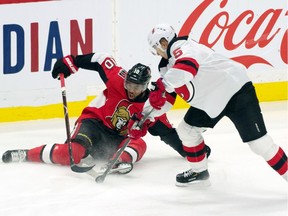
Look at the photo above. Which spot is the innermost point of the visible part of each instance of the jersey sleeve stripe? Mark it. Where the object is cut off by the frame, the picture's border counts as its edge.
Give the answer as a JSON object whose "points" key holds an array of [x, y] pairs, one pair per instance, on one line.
{"points": [[187, 64], [171, 97]]}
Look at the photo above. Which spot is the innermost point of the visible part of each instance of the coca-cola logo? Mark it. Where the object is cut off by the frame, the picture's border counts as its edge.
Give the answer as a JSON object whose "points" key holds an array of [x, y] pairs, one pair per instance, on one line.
{"points": [[228, 29]]}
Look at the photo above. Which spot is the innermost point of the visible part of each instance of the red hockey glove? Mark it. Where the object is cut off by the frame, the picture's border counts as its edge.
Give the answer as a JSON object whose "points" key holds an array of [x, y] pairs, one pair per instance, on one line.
{"points": [[65, 65], [135, 131], [157, 97]]}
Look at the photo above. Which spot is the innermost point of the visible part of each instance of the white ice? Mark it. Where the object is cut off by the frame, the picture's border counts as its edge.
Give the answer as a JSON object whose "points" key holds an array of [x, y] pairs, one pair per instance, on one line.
{"points": [[242, 183]]}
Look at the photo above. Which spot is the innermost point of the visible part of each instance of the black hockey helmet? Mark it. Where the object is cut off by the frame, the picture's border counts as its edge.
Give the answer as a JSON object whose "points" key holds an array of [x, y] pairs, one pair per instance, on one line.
{"points": [[139, 74]]}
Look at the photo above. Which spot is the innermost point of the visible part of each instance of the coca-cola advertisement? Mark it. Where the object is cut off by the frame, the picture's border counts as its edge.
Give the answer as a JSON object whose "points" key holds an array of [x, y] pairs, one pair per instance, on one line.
{"points": [[250, 37]]}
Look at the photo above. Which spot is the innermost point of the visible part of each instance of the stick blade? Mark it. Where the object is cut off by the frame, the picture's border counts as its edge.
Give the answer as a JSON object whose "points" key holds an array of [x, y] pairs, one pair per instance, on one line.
{"points": [[100, 179], [79, 169]]}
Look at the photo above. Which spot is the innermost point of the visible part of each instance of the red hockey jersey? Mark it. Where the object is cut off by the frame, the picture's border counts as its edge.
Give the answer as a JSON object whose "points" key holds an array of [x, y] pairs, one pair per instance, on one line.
{"points": [[112, 106]]}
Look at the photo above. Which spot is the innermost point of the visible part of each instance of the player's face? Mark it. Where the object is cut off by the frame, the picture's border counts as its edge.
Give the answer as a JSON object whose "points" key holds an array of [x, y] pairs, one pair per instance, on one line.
{"points": [[161, 52], [133, 89]]}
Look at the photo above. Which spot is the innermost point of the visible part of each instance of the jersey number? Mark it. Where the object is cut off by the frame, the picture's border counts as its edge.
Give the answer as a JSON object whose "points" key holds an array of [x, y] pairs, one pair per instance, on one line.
{"points": [[177, 53], [109, 63]]}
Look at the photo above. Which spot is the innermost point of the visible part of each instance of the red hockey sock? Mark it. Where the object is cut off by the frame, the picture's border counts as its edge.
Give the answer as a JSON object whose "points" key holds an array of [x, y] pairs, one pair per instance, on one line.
{"points": [[56, 153], [134, 151], [34, 154], [125, 157], [279, 162], [61, 153], [196, 153]]}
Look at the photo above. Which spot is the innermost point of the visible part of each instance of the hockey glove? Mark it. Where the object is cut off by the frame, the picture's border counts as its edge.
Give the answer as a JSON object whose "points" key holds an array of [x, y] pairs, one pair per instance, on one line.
{"points": [[157, 97], [135, 131], [65, 65]]}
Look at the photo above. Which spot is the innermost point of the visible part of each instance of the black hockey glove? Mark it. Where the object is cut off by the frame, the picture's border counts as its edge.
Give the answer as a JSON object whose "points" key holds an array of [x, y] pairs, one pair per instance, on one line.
{"points": [[65, 65]]}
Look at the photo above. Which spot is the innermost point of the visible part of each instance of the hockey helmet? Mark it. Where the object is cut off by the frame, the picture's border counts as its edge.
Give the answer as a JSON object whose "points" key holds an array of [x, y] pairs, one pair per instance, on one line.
{"points": [[158, 32], [140, 75]]}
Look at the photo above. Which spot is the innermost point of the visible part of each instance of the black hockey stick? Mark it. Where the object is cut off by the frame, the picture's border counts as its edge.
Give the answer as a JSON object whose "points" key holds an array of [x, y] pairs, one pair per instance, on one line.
{"points": [[73, 166], [112, 162]]}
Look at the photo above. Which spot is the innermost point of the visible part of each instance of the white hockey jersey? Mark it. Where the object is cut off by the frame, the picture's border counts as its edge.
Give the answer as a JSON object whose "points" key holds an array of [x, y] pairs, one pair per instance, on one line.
{"points": [[203, 78]]}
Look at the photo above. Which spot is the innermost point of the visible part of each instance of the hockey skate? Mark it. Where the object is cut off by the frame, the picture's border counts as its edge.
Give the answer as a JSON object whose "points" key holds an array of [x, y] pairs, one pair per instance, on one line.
{"points": [[119, 168], [15, 156], [122, 168], [189, 178]]}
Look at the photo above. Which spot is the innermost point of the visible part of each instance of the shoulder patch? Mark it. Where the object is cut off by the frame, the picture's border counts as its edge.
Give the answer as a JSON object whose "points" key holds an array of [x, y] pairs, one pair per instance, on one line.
{"points": [[122, 73]]}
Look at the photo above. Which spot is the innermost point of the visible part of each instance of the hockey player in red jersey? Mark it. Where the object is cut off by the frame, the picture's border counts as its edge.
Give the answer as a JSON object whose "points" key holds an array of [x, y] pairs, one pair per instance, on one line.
{"points": [[214, 86], [102, 127]]}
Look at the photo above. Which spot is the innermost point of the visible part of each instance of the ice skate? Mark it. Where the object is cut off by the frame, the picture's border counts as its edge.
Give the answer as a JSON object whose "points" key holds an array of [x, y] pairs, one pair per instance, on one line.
{"points": [[15, 156], [189, 178], [119, 168], [122, 167]]}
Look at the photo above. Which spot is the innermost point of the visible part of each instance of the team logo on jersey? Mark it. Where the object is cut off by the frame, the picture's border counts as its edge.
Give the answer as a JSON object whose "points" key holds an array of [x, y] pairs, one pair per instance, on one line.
{"points": [[120, 117]]}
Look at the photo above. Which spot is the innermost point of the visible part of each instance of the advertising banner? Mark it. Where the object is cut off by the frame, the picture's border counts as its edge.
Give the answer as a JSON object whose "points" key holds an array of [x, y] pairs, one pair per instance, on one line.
{"points": [[34, 34]]}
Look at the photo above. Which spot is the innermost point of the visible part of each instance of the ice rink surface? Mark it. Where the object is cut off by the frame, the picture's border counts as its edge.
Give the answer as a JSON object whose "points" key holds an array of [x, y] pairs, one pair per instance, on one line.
{"points": [[242, 183]]}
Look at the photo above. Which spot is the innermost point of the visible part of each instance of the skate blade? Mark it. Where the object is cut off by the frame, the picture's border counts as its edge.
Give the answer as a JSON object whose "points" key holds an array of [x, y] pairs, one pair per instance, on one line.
{"points": [[123, 168], [195, 184]]}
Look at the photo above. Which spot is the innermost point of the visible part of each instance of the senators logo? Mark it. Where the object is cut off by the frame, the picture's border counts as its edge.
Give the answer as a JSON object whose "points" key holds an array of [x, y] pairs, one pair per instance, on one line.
{"points": [[120, 117]]}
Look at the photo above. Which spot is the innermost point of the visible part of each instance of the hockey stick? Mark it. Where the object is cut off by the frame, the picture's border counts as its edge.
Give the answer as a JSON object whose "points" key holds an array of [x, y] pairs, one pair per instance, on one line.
{"points": [[73, 166], [112, 162]]}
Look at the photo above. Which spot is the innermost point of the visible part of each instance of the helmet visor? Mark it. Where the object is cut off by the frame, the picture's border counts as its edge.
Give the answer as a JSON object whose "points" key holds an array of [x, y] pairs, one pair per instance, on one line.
{"points": [[134, 87], [153, 49], [158, 50]]}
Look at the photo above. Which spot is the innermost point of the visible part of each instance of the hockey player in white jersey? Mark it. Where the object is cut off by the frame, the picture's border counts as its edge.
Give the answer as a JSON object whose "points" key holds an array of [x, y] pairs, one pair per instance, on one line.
{"points": [[214, 86]]}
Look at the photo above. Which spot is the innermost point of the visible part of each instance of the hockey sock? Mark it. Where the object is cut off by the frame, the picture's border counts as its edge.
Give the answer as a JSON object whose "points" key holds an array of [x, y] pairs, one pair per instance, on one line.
{"points": [[272, 153], [126, 157], [34, 154], [196, 153], [134, 151], [196, 156], [279, 163], [56, 153]]}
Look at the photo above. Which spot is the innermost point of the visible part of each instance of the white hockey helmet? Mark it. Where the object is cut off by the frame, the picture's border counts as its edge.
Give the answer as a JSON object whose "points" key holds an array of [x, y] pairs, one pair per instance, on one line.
{"points": [[157, 33]]}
